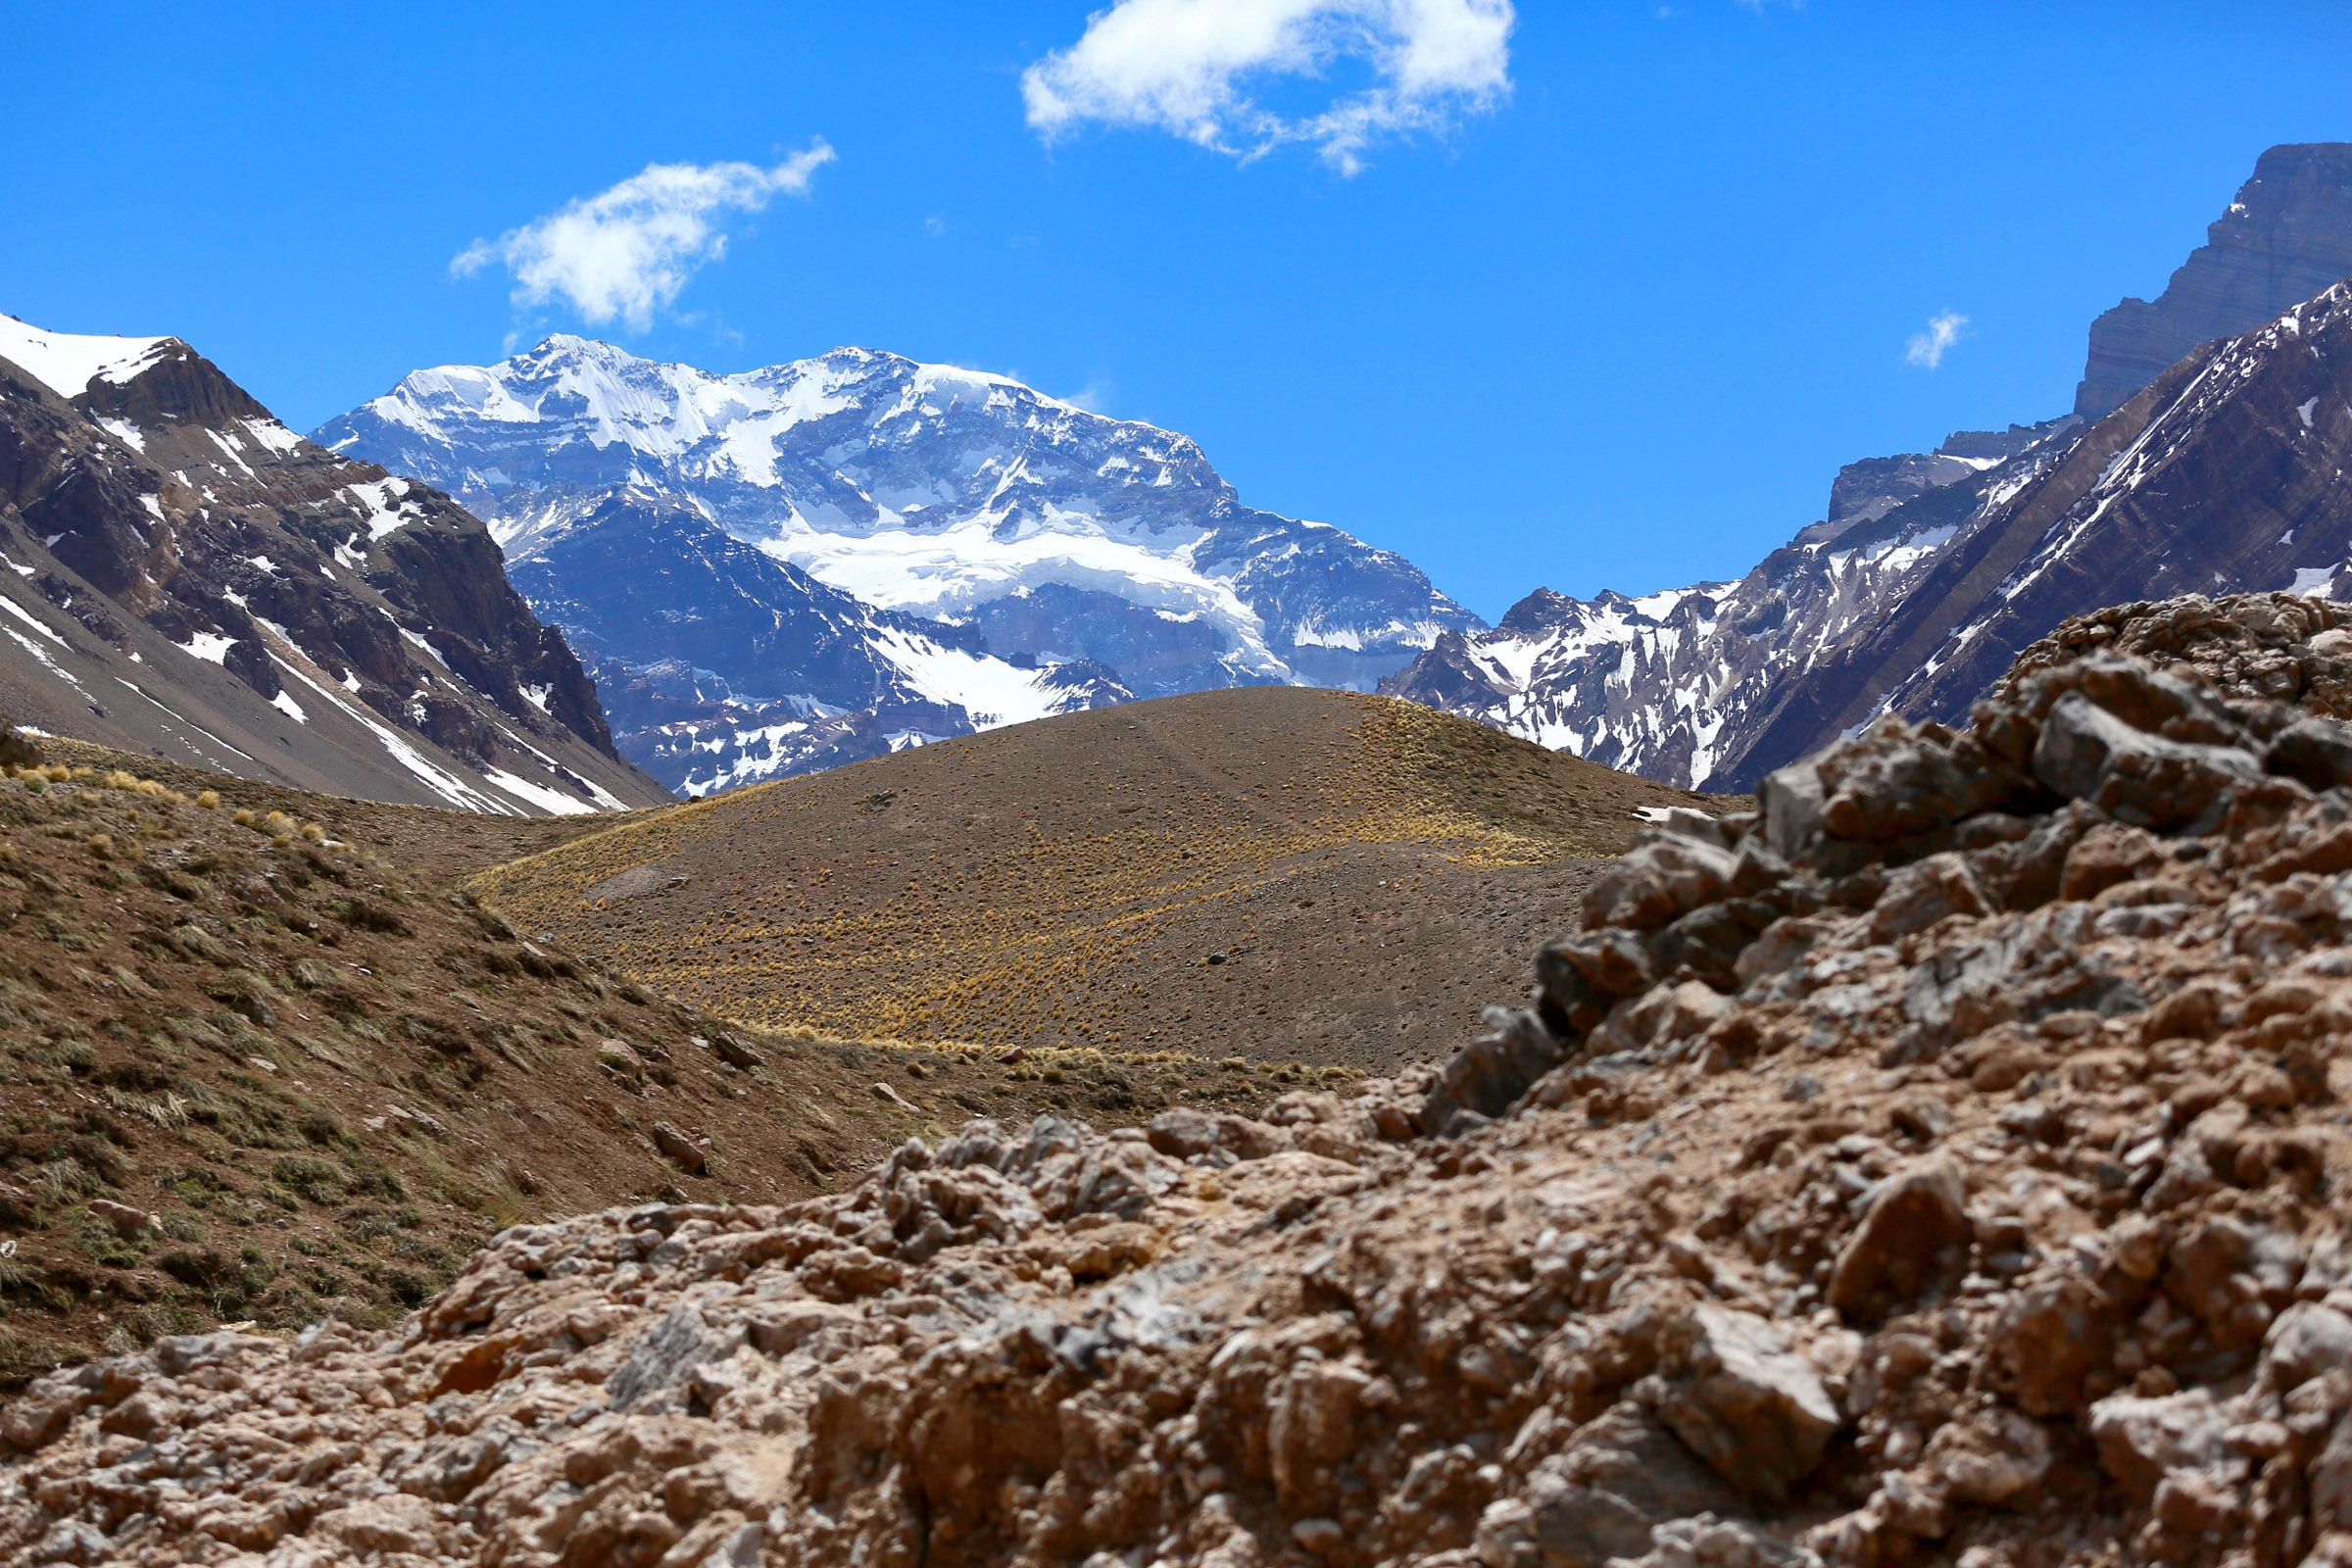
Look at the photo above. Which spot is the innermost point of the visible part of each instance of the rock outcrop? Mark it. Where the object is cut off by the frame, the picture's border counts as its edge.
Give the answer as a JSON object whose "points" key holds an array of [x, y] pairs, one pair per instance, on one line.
{"points": [[1938, 1163], [2287, 235]]}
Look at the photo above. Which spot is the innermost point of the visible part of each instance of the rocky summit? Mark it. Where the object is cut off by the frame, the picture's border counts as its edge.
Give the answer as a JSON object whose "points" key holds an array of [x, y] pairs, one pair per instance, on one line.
{"points": [[1935, 1164], [2201, 457], [2287, 235]]}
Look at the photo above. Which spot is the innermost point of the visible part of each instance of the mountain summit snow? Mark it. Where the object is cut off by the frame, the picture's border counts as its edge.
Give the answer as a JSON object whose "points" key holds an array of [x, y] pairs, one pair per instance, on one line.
{"points": [[993, 536]]}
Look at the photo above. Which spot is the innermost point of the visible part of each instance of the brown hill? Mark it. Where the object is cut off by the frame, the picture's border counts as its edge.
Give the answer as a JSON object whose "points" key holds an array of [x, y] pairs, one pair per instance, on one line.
{"points": [[264, 1031], [1269, 873]]}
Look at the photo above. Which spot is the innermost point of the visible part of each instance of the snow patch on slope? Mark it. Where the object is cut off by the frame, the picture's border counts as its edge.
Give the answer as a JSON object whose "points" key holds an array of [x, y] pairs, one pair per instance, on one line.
{"points": [[69, 361]]}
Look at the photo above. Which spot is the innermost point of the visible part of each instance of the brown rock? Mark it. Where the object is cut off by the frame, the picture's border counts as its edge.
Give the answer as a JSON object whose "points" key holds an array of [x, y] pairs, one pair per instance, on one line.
{"points": [[681, 1147], [1745, 1403], [1914, 1235]]}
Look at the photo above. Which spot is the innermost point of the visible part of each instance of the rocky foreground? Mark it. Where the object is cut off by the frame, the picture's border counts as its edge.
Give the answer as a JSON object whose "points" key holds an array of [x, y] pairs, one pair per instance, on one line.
{"points": [[1941, 1163]]}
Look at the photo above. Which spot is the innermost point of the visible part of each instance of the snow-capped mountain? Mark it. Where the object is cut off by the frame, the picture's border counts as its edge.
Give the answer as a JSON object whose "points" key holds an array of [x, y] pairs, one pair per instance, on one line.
{"points": [[1052, 534], [1933, 569], [1681, 685], [187, 577], [720, 665]]}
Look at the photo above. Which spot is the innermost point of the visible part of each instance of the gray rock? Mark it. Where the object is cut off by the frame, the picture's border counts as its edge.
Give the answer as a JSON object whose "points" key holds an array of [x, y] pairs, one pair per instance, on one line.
{"points": [[2086, 752], [1745, 1402], [2303, 1342], [1601, 1499], [2142, 1439]]}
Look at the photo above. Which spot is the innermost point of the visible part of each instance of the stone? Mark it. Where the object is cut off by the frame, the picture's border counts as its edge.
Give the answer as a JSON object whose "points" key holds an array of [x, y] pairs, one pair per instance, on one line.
{"points": [[2086, 752], [1621, 1477], [1611, 961], [1653, 884], [1996, 1455], [2048, 1340], [1660, 1016], [735, 1053], [1190, 1133], [680, 1145], [1745, 1403], [2303, 1342], [2140, 1441], [1926, 892], [122, 1217], [1486, 1077], [1913, 1235], [2312, 751]]}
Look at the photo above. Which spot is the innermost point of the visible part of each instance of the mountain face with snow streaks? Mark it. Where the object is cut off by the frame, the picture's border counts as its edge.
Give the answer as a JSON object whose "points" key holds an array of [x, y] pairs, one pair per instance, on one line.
{"points": [[721, 665], [2205, 459], [1680, 685], [991, 520], [187, 577]]}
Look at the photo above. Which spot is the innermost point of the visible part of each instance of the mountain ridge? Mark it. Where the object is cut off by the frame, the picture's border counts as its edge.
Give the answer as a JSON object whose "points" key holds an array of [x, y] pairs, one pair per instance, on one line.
{"points": [[1719, 684], [188, 577], [960, 498]]}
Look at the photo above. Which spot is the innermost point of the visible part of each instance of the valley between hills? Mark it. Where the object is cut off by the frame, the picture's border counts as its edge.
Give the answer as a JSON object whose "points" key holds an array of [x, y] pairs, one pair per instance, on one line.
{"points": [[284, 1055]]}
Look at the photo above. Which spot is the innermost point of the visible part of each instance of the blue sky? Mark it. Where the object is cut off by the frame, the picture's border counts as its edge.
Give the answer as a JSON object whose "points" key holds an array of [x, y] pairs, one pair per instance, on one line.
{"points": [[1615, 328]]}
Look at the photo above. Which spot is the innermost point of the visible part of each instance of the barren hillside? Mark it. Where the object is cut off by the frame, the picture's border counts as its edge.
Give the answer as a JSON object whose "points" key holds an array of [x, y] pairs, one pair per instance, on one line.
{"points": [[1269, 873]]}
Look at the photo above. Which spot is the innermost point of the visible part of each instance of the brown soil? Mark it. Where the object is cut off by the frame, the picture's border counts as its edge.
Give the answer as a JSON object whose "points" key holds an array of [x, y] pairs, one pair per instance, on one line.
{"points": [[1271, 872]]}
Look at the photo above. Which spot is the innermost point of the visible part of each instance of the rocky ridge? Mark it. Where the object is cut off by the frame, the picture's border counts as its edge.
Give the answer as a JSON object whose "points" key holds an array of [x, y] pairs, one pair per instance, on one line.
{"points": [[1691, 685], [1932, 570], [2287, 235], [1941, 1163], [189, 578]]}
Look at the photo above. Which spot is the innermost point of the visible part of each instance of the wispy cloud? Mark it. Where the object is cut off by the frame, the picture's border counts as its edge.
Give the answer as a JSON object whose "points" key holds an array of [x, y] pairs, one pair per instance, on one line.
{"points": [[1926, 349], [1195, 68], [625, 253]]}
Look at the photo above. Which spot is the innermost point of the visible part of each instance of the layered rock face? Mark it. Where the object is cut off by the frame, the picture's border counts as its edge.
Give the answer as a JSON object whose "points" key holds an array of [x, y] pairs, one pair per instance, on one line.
{"points": [[2228, 471], [2286, 236], [1935, 1164], [1909, 581], [189, 578], [953, 499]]}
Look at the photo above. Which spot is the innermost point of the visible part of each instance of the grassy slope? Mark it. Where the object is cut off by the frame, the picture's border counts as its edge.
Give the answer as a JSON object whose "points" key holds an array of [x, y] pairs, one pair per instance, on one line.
{"points": [[330, 1075], [1274, 871]]}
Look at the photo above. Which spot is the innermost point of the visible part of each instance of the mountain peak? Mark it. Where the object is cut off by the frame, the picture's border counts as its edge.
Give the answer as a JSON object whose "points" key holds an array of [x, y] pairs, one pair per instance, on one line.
{"points": [[2286, 236], [67, 363]]}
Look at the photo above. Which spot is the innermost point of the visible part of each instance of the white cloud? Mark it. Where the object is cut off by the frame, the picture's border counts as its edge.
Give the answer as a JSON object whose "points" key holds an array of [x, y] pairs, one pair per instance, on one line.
{"points": [[626, 252], [1926, 349], [1193, 68]]}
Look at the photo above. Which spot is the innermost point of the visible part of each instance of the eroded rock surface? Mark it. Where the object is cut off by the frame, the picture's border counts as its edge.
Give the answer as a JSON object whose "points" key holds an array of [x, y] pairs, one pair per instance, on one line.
{"points": [[1983, 1211]]}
